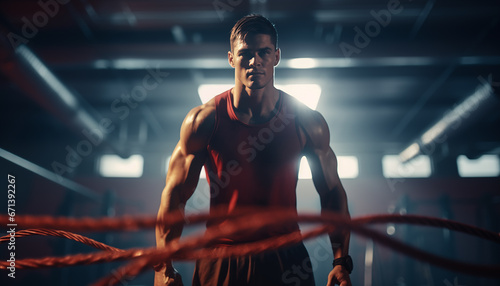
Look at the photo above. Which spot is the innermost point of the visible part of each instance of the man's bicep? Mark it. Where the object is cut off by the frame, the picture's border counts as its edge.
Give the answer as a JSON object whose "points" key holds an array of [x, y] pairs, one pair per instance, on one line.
{"points": [[323, 163], [189, 155], [319, 154], [183, 173]]}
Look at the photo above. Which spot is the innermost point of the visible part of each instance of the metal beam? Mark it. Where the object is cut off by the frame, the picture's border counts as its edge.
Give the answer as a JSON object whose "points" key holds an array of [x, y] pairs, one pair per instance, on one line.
{"points": [[422, 100], [37, 81], [462, 116], [51, 176], [421, 18]]}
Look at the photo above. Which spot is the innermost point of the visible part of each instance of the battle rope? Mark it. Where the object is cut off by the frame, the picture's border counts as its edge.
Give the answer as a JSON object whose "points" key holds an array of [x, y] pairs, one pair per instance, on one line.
{"points": [[236, 224], [61, 233]]}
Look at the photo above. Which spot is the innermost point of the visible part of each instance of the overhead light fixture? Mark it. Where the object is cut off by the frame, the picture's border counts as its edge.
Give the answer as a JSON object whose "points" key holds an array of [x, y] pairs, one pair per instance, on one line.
{"points": [[347, 167], [308, 94], [410, 152], [115, 166], [419, 167], [484, 166], [463, 115], [58, 88], [302, 63], [208, 91], [296, 63]]}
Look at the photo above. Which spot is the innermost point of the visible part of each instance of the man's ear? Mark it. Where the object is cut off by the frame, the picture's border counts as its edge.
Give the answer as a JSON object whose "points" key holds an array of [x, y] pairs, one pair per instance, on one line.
{"points": [[277, 57], [230, 58]]}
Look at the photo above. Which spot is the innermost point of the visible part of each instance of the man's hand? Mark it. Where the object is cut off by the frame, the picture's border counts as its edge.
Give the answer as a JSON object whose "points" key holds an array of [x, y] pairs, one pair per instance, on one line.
{"points": [[173, 278], [339, 276], [168, 276]]}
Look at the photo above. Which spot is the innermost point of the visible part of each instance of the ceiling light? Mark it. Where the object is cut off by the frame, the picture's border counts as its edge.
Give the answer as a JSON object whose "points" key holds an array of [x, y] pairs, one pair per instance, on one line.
{"points": [[308, 94], [115, 166], [347, 167], [302, 63], [208, 91], [484, 166], [419, 167]]}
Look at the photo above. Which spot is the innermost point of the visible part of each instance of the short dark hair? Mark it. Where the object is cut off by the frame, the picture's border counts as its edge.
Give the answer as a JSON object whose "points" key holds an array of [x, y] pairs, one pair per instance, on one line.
{"points": [[251, 25]]}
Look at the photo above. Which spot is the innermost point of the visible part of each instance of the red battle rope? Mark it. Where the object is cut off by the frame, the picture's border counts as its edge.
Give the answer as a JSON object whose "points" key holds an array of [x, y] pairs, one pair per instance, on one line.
{"points": [[240, 224], [61, 233]]}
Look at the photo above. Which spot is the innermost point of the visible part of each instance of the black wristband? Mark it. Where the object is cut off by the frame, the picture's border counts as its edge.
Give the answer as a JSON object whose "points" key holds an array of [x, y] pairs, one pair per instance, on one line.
{"points": [[345, 261]]}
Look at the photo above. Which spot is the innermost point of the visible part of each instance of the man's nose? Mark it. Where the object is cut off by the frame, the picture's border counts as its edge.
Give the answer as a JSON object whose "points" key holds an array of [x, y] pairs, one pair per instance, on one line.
{"points": [[255, 61]]}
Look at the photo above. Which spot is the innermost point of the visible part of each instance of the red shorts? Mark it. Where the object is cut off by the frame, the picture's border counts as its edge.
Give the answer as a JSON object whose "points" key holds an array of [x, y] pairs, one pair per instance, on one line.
{"points": [[290, 266]]}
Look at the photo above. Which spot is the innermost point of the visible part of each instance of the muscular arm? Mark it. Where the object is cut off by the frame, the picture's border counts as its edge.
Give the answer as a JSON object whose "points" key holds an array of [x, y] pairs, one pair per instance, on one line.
{"points": [[183, 173], [323, 163]]}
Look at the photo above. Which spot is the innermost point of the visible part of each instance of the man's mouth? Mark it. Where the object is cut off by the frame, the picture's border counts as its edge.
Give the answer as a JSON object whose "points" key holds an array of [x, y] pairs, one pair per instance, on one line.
{"points": [[255, 73]]}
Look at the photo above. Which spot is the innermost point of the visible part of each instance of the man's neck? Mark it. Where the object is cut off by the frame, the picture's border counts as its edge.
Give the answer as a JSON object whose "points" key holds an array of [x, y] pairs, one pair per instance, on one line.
{"points": [[255, 105]]}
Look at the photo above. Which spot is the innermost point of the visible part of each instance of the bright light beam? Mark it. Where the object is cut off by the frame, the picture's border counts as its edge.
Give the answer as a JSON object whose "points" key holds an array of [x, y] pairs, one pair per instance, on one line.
{"points": [[208, 91], [115, 166], [347, 168], [419, 167], [309, 94], [484, 166], [302, 63]]}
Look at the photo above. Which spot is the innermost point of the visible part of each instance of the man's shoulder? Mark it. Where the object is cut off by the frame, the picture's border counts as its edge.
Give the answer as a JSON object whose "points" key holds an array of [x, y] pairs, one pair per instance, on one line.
{"points": [[197, 127], [201, 117], [311, 123], [205, 113], [305, 115]]}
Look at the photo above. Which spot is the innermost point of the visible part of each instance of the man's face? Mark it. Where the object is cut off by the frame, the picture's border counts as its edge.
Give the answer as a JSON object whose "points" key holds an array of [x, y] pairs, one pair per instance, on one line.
{"points": [[254, 60]]}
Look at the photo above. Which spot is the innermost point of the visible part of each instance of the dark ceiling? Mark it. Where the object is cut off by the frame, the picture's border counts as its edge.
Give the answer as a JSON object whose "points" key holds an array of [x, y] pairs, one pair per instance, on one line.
{"points": [[415, 61]]}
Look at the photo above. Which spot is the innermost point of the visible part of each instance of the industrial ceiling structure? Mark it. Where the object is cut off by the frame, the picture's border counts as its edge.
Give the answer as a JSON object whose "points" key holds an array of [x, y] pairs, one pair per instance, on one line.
{"points": [[388, 71]]}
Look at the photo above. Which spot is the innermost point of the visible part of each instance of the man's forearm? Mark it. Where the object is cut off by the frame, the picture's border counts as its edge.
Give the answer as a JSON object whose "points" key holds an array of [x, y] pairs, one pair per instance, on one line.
{"points": [[340, 240], [172, 204], [340, 244], [166, 234], [336, 201]]}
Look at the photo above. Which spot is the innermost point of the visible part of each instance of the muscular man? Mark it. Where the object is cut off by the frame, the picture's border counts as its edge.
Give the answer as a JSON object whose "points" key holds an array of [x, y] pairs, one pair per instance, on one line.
{"points": [[250, 140]]}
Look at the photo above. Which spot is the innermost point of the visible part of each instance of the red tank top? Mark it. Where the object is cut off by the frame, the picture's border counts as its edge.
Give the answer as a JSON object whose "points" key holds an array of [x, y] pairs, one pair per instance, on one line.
{"points": [[254, 165]]}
